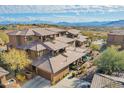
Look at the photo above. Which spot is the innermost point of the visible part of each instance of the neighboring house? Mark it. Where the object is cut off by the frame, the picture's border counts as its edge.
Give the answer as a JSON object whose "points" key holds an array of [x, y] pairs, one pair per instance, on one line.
{"points": [[106, 81], [115, 37], [3, 74], [52, 50]]}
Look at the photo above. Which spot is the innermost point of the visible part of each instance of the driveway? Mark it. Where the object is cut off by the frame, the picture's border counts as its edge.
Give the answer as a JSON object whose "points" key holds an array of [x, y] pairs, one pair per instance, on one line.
{"points": [[37, 82], [68, 82]]}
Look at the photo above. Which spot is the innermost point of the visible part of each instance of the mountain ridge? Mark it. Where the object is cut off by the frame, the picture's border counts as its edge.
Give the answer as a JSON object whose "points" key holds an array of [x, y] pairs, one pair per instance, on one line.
{"points": [[118, 23]]}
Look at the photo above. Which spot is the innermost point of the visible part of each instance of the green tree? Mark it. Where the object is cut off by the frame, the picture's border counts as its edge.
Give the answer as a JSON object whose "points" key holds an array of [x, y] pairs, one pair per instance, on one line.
{"points": [[3, 28], [4, 37], [111, 60], [16, 60]]}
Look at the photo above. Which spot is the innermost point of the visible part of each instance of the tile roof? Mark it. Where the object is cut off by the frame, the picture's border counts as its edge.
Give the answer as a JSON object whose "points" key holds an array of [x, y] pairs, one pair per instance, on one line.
{"points": [[80, 50], [64, 39], [106, 81], [22, 33], [81, 38], [3, 72], [43, 31], [54, 29], [55, 45], [69, 57], [35, 46], [74, 31], [55, 64]]}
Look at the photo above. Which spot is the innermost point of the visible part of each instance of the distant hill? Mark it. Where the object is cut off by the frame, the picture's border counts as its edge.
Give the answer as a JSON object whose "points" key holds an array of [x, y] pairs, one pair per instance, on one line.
{"points": [[119, 23]]}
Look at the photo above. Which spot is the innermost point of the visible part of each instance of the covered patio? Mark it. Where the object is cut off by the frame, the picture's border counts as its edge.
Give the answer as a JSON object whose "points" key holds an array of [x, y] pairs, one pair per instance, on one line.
{"points": [[55, 47], [44, 34]]}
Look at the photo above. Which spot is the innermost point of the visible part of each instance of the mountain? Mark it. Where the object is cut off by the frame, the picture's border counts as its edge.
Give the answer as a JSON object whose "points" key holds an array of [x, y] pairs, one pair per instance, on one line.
{"points": [[83, 24], [119, 23], [116, 23]]}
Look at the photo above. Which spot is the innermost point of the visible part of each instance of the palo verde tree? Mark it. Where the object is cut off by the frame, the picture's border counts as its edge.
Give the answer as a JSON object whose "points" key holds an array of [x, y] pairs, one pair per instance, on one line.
{"points": [[111, 60], [16, 60], [4, 37]]}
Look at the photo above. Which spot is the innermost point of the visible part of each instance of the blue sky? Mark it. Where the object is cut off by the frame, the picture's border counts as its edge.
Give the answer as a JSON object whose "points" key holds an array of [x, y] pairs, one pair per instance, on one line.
{"points": [[59, 13]]}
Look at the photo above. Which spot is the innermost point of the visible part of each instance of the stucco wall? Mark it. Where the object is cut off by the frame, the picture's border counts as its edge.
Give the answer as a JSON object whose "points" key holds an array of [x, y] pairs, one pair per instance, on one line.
{"points": [[59, 75], [12, 40], [115, 39], [53, 77], [43, 73]]}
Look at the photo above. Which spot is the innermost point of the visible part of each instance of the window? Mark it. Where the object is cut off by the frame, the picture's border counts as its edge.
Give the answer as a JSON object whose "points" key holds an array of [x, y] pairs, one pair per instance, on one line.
{"points": [[30, 38], [39, 37]]}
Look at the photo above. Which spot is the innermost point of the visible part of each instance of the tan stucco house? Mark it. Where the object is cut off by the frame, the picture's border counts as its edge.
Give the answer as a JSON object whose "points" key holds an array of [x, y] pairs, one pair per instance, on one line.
{"points": [[116, 37], [52, 50]]}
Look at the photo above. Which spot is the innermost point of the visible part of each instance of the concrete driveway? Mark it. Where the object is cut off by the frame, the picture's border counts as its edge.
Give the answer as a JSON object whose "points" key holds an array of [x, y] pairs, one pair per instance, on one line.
{"points": [[37, 82], [68, 82]]}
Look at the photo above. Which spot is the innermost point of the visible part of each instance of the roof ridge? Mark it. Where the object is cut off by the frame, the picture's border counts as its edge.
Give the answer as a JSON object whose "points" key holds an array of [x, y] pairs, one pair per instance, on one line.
{"points": [[50, 64]]}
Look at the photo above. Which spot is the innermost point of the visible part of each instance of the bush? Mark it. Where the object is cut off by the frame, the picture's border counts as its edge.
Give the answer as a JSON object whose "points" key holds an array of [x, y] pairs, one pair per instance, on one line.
{"points": [[95, 47], [110, 61], [21, 77], [73, 74], [4, 37]]}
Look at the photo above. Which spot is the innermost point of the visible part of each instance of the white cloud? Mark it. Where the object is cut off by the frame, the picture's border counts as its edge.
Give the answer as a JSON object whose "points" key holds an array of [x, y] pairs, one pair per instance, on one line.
{"points": [[57, 9]]}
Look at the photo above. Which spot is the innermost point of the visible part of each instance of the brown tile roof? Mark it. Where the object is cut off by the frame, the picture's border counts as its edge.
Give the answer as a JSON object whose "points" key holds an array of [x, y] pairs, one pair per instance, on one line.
{"points": [[55, 64], [80, 50], [55, 45], [74, 31], [56, 29], [22, 33], [43, 62], [65, 60], [64, 39], [81, 38], [3, 72], [43, 32], [106, 81], [35, 46]]}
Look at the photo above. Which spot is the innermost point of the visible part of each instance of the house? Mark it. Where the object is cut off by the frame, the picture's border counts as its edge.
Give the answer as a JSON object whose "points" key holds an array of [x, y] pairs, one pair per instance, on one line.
{"points": [[52, 50], [106, 81], [3, 74], [115, 37]]}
